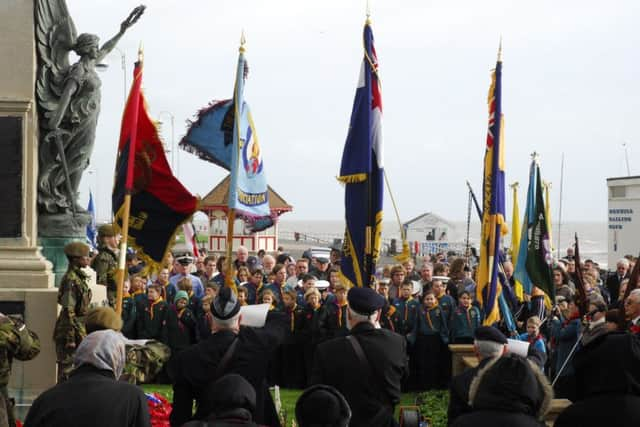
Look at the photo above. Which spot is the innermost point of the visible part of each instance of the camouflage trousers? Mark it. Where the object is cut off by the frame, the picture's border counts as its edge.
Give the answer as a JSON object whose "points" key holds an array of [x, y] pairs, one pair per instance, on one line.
{"points": [[64, 359], [7, 416]]}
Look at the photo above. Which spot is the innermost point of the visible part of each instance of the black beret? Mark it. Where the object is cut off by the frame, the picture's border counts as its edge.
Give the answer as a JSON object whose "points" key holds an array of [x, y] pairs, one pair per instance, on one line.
{"points": [[364, 300], [489, 333], [225, 305], [322, 405]]}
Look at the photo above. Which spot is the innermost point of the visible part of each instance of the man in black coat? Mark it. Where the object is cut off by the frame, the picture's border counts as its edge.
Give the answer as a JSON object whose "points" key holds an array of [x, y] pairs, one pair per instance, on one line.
{"points": [[230, 349], [367, 366], [613, 281], [608, 383], [489, 343]]}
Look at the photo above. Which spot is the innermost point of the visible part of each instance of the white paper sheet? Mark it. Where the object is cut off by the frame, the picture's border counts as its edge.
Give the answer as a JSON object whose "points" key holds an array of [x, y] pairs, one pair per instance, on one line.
{"points": [[518, 347], [254, 315]]}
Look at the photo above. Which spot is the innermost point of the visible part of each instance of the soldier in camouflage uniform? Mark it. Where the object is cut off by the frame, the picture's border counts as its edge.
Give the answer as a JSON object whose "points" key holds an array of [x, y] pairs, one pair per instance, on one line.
{"points": [[106, 262], [16, 341], [74, 297]]}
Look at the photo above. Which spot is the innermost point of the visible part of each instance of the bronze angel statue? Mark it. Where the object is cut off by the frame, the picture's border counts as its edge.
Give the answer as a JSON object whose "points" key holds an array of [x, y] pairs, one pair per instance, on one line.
{"points": [[68, 105]]}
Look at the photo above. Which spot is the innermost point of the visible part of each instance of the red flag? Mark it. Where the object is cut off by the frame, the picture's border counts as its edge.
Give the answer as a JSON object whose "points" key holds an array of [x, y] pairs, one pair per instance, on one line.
{"points": [[159, 202]]}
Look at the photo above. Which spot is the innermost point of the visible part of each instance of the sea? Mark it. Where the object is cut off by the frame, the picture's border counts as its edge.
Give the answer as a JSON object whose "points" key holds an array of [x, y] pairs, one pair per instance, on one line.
{"points": [[592, 235]]}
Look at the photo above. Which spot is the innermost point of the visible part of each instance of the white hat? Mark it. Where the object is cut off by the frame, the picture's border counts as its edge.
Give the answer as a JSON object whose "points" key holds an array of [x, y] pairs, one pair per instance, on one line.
{"points": [[322, 284]]}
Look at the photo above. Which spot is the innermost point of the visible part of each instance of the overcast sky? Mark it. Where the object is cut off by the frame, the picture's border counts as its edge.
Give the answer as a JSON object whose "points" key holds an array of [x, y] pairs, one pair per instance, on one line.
{"points": [[570, 84]]}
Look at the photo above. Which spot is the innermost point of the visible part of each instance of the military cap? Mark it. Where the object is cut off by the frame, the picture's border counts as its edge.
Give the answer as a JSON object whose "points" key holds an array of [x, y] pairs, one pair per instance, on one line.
{"points": [[364, 300], [489, 333], [106, 230], [77, 249], [335, 409], [322, 284], [185, 259], [225, 305], [322, 260]]}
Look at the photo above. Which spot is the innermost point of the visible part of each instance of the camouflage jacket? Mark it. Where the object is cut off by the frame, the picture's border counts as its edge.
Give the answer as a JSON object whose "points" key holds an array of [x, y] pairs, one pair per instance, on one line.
{"points": [[16, 341], [74, 297], [105, 264]]}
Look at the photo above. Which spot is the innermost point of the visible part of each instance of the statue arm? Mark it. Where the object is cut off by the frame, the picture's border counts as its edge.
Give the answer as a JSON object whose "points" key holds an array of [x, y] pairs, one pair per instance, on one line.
{"points": [[133, 17], [70, 88]]}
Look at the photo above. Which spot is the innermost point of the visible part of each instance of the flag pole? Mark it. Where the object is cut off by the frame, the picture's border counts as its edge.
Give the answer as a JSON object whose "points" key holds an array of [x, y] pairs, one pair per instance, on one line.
{"points": [[560, 206], [127, 203], [231, 217]]}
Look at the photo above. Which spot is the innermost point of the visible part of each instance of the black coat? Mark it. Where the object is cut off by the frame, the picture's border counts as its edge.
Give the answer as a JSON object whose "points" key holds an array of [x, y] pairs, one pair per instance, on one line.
{"points": [[337, 365], [497, 419], [92, 398], [195, 367], [605, 410], [459, 392], [613, 285]]}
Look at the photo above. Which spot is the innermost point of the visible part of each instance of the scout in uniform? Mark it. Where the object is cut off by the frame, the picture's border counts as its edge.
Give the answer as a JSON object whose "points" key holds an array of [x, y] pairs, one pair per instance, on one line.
{"points": [[464, 320], [74, 297]]}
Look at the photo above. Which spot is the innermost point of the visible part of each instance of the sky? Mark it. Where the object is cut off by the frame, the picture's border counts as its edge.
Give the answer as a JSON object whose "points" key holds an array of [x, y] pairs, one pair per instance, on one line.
{"points": [[570, 85]]}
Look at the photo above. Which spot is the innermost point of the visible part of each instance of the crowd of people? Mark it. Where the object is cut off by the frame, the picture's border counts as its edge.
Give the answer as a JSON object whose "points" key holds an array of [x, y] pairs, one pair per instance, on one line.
{"points": [[402, 325]]}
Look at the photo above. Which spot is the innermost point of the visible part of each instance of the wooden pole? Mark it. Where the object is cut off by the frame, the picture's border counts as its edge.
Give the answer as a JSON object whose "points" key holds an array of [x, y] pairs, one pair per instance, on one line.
{"points": [[229, 271], [123, 253]]}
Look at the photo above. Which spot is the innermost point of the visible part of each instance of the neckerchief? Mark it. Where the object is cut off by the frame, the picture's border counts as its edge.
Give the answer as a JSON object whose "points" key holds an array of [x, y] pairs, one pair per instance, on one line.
{"points": [[427, 314], [406, 308], [292, 317], [340, 311], [532, 340], [153, 304]]}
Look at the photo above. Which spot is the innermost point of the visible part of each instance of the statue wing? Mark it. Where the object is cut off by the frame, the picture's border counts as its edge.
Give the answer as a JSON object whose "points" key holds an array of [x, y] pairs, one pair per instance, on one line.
{"points": [[55, 37]]}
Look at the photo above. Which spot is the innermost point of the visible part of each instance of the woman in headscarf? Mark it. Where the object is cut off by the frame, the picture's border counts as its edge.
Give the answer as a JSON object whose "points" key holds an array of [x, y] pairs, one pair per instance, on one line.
{"points": [[93, 396]]}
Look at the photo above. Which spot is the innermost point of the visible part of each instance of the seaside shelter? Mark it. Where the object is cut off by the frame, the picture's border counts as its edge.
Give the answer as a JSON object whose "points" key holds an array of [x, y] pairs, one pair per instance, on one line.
{"points": [[428, 233], [214, 205]]}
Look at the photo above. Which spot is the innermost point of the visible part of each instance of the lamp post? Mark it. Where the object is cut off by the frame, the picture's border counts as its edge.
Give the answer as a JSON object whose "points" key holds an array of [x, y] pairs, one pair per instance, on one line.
{"points": [[123, 63], [175, 167]]}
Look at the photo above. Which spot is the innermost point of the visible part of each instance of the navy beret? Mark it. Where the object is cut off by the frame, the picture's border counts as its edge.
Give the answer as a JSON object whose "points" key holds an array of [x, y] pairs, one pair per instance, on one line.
{"points": [[225, 305], [364, 300], [489, 333]]}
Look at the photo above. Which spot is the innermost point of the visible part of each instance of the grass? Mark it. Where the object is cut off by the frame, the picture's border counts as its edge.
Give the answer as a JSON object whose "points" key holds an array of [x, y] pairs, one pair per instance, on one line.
{"points": [[433, 404]]}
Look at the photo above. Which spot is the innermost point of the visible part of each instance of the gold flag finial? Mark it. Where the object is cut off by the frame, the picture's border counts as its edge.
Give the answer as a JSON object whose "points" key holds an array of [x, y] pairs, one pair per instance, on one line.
{"points": [[515, 185], [368, 13], [140, 53], [535, 156], [500, 50], [243, 40]]}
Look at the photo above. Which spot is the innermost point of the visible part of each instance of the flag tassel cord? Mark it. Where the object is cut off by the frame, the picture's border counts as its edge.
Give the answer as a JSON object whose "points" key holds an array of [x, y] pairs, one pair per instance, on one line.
{"points": [[405, 245], [123, 253]]}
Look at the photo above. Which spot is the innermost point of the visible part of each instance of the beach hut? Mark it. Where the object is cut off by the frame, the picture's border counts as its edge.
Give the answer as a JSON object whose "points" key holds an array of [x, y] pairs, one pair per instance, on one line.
{"points": [[428, 233], [214, 205]]}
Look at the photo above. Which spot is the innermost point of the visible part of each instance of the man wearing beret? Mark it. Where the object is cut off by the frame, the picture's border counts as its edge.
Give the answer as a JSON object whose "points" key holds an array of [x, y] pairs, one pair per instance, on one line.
{"points": [[488, 344], [368, 365], [230, 349], [74, 297], [106, 262]]}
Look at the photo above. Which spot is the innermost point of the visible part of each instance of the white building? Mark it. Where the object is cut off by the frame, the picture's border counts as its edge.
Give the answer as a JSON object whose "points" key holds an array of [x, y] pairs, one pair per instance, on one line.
{"points": [[428, 234], [623, 217]]}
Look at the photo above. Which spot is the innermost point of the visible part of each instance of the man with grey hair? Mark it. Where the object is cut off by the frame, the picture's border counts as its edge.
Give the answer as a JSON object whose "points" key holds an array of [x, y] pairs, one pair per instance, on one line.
{"points": [[366, 366], [488, 344], [613, 282], [632, 310], [231, 348], [242, 255]]}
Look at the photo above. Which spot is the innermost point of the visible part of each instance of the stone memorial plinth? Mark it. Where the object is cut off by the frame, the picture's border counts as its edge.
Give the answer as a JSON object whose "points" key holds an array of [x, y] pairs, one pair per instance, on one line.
{"points": [[26, 282]]}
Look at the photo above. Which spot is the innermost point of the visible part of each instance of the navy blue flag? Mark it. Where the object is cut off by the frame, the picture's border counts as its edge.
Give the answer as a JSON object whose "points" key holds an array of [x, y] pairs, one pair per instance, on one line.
{"points": [[92, 230], [362, 173]]}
